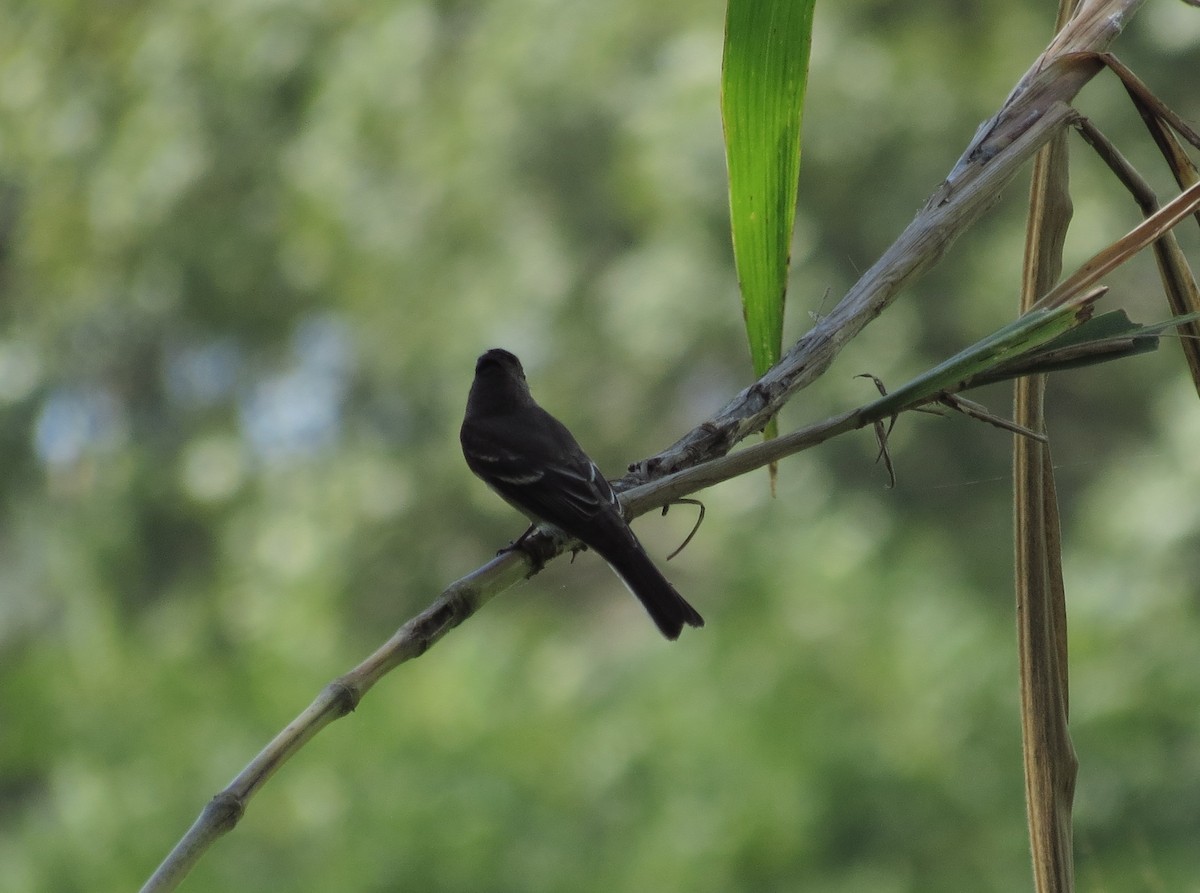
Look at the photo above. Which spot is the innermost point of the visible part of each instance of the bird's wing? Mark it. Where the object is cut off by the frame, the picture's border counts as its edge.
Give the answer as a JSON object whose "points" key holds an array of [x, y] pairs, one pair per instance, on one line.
{"points": [[550, 478]]}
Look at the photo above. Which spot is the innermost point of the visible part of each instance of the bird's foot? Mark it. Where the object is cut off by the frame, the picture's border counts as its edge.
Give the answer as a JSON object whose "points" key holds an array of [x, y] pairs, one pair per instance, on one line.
{"points": [[537, 550], [576, 549]]}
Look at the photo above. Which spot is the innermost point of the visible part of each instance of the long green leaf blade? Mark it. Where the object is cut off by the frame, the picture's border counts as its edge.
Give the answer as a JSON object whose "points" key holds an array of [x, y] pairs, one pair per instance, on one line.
{"points": [[763, 80]]}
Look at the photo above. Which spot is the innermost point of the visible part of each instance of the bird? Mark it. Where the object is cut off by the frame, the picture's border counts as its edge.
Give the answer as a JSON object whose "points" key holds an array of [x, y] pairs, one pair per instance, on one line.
{"points": [[534, 463]]}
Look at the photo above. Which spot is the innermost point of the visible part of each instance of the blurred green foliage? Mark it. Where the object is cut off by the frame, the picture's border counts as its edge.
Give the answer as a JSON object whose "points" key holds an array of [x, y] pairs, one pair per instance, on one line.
{"points": [[248, 253]]}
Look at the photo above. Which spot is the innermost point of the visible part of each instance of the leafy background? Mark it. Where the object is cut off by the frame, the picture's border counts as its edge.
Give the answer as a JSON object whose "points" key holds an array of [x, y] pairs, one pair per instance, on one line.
{"points": [[248, 253]]}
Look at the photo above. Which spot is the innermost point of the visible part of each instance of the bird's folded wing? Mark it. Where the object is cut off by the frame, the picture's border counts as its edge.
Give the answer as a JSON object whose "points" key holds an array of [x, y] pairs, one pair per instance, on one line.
{"points": [[565, 494]]}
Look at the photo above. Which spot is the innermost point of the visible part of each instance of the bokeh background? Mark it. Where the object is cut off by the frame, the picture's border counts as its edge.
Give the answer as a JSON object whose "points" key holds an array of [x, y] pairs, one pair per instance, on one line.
{"points": [[249, 250]]}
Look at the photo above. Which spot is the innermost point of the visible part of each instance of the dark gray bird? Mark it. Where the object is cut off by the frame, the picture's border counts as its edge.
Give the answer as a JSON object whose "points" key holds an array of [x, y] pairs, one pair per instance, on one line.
{"points": [[536, 465]]}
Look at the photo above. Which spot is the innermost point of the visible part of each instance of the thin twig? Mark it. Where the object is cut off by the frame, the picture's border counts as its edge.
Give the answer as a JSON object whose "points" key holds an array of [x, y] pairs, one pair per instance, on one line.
{"points": [[695, 527]]}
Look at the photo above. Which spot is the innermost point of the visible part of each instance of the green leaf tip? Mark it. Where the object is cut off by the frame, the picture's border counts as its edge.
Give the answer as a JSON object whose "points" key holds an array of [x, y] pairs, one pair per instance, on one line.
{"points": [[763, 81]]}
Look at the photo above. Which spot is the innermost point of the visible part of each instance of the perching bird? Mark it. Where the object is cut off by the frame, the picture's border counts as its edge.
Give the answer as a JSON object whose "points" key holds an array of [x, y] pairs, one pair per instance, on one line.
{"points": [[536, 465]]}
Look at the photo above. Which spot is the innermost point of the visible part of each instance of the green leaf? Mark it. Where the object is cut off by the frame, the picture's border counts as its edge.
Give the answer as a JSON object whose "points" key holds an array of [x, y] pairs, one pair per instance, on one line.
{"points": [[763, 79], [1021, 337], [1107, 337]]}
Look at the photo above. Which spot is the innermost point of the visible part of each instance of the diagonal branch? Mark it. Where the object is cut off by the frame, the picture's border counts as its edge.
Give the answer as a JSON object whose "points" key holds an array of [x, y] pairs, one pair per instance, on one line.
{"points": [[1033, 113]]}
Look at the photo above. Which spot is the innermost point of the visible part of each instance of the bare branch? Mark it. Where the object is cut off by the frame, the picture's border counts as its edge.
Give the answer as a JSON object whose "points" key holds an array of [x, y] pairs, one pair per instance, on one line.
{"points": [[1034, 111]]}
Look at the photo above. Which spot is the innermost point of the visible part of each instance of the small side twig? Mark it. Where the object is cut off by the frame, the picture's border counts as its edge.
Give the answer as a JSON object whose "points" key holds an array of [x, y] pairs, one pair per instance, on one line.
{"points": [[981, 413], [882, 433], [695, 527]]}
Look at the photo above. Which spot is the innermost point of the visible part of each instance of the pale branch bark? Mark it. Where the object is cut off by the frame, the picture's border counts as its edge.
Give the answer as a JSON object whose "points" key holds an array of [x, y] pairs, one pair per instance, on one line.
{"points": [[1036, 110]]}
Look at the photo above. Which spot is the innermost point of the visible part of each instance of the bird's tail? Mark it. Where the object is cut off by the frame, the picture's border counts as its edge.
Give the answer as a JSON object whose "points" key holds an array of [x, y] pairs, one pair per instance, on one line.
{"points": [[669, 610]]}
